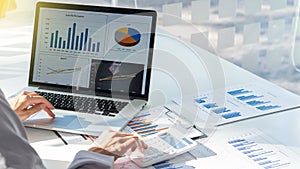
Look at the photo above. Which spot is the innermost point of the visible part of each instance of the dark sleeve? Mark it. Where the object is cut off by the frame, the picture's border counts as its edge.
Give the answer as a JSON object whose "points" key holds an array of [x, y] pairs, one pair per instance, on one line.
{"points": [[19, 154], [91, 160]]}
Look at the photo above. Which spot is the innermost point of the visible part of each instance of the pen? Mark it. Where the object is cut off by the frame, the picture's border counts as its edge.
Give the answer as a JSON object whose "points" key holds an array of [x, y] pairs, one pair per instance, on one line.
{"points": [[200, 136], [59, 136]]}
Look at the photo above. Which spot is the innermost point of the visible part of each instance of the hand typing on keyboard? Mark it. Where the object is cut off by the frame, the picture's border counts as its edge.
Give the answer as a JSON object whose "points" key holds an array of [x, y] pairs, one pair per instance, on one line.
{"points": [[29, 103]]}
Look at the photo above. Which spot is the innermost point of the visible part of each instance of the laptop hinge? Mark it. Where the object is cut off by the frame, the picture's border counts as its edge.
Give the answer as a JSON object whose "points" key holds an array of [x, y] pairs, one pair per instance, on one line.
{"points": [[56, 89]]}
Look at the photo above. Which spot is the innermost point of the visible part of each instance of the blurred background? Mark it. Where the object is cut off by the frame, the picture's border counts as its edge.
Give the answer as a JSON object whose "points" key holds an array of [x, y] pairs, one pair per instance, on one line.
{"points": [[261, 36]]}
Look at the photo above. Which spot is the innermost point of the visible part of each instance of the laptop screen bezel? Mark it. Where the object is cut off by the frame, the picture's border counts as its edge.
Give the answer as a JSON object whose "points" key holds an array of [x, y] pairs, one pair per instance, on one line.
{"points": [[115, 10]]}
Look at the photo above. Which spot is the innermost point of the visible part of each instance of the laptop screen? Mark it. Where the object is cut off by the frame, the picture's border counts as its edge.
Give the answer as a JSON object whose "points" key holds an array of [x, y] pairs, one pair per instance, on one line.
{"points": [[100, 49]]}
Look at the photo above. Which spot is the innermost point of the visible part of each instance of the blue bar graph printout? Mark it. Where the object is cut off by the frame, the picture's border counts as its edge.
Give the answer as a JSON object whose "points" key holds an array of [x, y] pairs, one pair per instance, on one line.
{"points": [[210, 105], [256, 103], [238, 92], [264, 108], [221, 110], [231, 115], [249, 97], [261, 155], [201, 100], [239, 103]]}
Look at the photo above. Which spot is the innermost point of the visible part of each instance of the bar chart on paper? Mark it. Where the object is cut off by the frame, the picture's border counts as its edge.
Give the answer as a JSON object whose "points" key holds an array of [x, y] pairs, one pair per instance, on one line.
{"points": [[146, 124], [151, 122], [250, 100], [260, 102], [263, 151], [144, 127]]}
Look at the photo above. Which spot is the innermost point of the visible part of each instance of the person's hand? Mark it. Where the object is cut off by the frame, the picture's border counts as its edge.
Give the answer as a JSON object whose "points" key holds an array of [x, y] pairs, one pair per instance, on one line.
{"points": [[29, 103], [117, 143]]}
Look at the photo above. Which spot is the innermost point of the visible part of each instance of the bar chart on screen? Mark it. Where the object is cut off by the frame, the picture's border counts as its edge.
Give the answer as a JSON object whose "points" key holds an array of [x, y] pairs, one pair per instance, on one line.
{"points": [[246, 101], [72, 36], [80, 42]]}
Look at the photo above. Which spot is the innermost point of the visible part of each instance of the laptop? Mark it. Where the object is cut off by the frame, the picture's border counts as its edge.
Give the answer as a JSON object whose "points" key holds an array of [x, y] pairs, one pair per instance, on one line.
{"points": [[92, 63]]}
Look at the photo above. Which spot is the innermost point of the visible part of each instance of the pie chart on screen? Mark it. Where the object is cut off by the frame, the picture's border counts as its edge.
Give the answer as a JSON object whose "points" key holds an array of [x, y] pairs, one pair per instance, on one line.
{"points": [[127, 37]]}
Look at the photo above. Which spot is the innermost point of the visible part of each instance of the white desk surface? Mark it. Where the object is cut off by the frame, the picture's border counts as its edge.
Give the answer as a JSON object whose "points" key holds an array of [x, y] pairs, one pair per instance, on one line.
{"points": [[170, 56]]}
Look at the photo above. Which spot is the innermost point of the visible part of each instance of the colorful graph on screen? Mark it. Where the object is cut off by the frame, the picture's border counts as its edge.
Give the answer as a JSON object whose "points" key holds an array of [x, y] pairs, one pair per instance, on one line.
{"points": [[127, 37], [118, 77]]}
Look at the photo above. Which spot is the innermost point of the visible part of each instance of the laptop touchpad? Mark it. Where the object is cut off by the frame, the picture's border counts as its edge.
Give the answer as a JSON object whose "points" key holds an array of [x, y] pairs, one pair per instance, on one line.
{"points": [[42, 119]]}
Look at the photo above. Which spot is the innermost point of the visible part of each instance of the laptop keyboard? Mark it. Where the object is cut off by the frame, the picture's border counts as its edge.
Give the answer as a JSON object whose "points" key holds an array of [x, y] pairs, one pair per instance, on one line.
{"points": [[84, 104]]}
